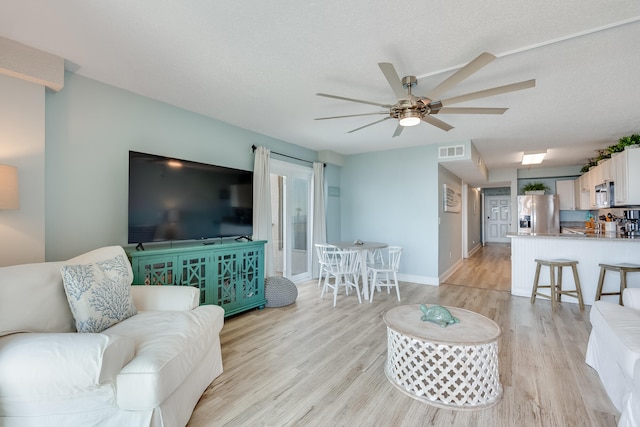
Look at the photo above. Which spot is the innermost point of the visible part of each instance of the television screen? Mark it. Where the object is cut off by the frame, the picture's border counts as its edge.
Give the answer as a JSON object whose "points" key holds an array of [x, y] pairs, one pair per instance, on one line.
{"points": [[173, 199]]}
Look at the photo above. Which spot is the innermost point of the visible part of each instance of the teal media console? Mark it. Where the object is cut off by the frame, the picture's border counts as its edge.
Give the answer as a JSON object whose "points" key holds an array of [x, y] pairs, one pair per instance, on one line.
{"points": [[230, 275]]}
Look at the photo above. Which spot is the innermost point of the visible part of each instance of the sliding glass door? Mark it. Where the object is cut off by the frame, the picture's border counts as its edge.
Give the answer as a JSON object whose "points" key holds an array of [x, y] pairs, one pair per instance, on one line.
{"points": [[291, 211]]}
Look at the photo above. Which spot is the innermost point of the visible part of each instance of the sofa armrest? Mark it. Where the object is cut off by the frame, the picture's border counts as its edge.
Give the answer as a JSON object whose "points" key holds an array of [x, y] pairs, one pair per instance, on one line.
{"points": [[40, 365], [165, 298], [631, 298]]}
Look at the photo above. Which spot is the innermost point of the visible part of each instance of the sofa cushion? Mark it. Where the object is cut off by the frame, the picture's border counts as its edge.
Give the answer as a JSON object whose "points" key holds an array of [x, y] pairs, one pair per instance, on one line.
{"points": [[169, 345], [35, 289], [619, 329], [41, 373], [99, 293]]}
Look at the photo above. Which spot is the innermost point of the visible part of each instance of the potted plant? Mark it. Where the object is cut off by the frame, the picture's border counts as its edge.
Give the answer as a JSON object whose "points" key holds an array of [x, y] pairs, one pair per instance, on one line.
{"points": [[534, 188]]}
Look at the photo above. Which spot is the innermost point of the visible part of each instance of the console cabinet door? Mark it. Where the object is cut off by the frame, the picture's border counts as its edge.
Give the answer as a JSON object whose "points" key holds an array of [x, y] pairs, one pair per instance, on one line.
{"points": [[194, 270], [155, 270], [238, 279]]}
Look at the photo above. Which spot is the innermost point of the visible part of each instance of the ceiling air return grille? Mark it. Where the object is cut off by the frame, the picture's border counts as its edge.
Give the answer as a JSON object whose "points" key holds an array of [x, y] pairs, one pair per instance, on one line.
{"points": [[451, 151]]}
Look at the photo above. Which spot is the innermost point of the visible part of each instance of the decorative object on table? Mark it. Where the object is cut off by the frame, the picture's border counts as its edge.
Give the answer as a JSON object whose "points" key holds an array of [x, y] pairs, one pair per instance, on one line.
{"points": [[279, 291], [452, 199], [535, 188], [358, 242], [438, 314]]}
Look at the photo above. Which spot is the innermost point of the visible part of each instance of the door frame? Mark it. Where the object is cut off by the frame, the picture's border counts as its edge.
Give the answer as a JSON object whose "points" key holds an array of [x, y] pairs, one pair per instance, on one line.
{"points": [[291, 171]]}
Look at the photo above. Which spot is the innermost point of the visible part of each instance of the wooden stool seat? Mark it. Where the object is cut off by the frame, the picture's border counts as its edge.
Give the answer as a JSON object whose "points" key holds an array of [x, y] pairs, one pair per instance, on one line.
{"points": [[623, 269], [555, 281]]}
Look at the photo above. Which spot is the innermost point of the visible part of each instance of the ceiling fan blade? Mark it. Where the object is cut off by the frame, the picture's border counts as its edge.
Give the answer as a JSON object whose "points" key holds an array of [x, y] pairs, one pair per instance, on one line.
{"points": [[469, 110], [352, 115], [464, 72], [326, 95], [490, 92], [398, 131], [437, 123], [392, 77], [370, 124]]}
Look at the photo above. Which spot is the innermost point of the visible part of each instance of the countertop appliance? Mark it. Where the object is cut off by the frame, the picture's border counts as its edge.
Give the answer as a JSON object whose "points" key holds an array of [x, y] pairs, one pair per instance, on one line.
{"points": [[538, 214], [631, 218]]}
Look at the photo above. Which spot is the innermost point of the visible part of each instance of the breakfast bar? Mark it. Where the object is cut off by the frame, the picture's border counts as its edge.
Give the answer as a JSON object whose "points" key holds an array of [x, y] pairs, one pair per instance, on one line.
{"points": [[589, 249]]}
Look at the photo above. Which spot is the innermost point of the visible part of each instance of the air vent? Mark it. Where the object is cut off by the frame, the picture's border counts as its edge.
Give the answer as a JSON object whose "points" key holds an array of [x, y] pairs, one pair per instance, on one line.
{"points": [[452, 151]]}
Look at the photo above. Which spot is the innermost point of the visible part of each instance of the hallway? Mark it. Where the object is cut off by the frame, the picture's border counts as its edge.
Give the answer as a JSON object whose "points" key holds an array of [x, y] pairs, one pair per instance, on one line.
{"points": [[487, 268]]}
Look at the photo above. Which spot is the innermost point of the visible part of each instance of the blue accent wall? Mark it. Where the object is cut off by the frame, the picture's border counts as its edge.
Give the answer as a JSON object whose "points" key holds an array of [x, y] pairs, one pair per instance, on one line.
{"points": [[90, 128], [392, 197]]}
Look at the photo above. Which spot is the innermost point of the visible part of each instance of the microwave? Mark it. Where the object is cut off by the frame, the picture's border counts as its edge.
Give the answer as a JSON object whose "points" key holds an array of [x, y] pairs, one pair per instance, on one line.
{"points": [[605, 195]]}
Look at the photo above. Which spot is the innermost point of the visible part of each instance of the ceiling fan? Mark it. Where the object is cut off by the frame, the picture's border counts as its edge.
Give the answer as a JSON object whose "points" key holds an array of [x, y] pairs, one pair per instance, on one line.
{"points": [[410, 109]]}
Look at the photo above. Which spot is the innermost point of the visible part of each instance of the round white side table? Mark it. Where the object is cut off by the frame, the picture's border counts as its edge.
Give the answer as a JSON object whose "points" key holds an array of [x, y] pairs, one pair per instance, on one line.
{"points": [[455, 367]]}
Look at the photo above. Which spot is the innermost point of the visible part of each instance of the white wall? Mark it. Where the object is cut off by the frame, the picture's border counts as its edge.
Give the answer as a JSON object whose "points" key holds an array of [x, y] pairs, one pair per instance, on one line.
{"points": [[450, 230], [90, 129], [22, 144], [474, 219], [392, 197]]}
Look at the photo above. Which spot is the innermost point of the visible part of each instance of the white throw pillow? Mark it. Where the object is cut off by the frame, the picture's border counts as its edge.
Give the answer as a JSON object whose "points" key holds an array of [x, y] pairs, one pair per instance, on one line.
{"points": [[99, 293]]}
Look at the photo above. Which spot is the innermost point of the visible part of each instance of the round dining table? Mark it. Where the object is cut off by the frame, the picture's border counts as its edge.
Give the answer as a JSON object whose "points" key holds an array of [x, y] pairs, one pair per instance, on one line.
{"points": [[364, 248]]}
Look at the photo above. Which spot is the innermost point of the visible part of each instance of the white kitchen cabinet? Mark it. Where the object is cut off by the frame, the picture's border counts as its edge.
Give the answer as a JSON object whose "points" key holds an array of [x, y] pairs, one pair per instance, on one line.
{"points": [[587, 198], [565, 190], [607, 170], [627, 177]]}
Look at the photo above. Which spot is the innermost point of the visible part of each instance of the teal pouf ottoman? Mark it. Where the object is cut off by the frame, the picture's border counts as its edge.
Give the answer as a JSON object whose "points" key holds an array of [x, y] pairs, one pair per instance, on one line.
{"points": [[279, 291]]}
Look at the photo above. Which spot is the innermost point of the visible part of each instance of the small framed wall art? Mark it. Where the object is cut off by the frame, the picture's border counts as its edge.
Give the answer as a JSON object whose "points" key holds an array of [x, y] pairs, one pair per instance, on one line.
{"points": [[452, 199]]}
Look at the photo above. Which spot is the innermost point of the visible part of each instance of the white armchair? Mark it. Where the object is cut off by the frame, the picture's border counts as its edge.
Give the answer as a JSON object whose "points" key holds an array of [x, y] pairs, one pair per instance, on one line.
{"points": [[614, 352], [149, 369]]}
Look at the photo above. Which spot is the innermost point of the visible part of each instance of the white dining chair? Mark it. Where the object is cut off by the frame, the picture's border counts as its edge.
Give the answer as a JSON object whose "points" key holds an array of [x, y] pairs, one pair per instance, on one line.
{"points": [[384, 275], [343, 268], [324, 252]]}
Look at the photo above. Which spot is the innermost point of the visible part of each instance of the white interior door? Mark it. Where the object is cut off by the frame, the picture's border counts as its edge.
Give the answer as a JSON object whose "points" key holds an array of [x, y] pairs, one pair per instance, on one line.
{"points": [[292, 201], [497, 218]]}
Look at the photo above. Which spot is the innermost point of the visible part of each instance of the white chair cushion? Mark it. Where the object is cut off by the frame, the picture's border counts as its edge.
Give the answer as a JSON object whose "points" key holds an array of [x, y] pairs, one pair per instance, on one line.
{"points": [[99, 293], [169, 344], [619, 329], [32, 299], [41, 373]]}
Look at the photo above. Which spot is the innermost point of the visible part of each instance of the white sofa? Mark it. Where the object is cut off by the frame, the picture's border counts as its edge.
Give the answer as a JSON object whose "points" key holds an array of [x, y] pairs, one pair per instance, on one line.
{"points": [[614, 352], [149, 369]]}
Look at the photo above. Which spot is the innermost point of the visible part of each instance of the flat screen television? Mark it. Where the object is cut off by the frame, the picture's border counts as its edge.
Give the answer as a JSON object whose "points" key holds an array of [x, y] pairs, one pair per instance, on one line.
{"points": [[173, 199]]}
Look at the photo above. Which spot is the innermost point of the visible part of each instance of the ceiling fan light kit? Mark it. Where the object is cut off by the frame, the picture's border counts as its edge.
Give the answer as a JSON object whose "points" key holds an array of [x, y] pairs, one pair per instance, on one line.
{"points": [[409, 118], [410, 109]]}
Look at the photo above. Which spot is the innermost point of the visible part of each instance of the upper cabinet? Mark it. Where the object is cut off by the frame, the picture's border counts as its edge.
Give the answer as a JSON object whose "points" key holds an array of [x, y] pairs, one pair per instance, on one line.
{"points": [[627, 177], [565, 189]]}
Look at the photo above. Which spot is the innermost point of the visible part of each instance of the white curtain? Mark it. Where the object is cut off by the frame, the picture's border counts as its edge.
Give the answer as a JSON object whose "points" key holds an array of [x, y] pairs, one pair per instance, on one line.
{"points": [[319, 217], [262, 206]]}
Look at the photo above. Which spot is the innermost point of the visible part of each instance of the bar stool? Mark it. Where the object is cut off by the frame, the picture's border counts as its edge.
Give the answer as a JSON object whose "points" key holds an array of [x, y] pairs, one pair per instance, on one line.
{"points": [[555, 285], [623, 269]]}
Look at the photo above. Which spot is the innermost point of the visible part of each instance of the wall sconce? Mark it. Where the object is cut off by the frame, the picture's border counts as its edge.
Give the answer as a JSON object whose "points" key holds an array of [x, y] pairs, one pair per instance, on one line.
{"points": [[9, 195]]}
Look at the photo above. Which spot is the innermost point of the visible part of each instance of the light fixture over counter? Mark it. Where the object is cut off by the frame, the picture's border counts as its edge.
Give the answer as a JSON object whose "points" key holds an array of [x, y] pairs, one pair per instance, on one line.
{"points": [[9, 195], [533, 157]]}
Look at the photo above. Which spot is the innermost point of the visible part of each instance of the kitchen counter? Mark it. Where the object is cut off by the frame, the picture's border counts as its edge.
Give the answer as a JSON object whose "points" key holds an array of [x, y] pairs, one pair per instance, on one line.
{"points": [[589, 249], [587, 234]]}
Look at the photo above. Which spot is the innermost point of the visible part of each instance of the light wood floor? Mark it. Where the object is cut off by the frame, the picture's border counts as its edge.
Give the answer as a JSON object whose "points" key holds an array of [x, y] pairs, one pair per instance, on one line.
{"points": [[487, 268], [309, 364]]}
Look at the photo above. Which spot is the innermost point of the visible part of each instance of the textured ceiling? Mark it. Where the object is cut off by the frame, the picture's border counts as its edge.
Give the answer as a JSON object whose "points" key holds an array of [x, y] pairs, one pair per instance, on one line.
{"points": [[258, 65]]}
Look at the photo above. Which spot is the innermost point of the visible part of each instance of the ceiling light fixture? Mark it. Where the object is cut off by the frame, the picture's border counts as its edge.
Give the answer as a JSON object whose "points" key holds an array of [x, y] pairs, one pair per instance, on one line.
{"points": [[533, 158], [409, 118]]}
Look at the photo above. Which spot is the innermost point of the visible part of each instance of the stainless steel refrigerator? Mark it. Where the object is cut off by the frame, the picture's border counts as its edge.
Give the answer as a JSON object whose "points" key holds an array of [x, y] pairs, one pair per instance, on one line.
{"points": [[538, 214]]}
